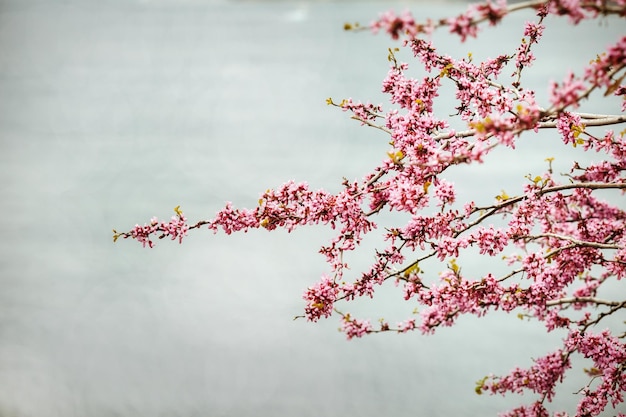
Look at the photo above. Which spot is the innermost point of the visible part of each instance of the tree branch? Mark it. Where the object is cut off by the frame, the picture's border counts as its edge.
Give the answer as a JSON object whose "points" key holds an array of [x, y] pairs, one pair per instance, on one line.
{"points": [[576, 242], [574, 300]]}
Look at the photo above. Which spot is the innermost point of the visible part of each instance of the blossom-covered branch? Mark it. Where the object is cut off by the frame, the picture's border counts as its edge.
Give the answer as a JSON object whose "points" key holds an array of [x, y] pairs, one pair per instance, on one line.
{"points": [[562, 244]]}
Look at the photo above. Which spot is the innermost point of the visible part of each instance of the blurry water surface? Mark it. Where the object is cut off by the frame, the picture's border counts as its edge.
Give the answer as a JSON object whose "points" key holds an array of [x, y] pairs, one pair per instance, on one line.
{"points": [[114, 111]]}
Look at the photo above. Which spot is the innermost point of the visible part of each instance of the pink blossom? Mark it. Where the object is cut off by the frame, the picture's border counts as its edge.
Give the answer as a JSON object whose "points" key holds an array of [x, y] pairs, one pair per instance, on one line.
{"points": [[396, 25], [445, 192], [567, 94], [320, 299], [406, 325], [541, 378], [354, 327], [569, 125], [464, 26], [490, 241], [533, 31]]}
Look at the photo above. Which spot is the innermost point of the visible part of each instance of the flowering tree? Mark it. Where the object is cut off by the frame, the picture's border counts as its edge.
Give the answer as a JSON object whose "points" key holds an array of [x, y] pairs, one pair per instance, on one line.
{"points": [[560, 242]]}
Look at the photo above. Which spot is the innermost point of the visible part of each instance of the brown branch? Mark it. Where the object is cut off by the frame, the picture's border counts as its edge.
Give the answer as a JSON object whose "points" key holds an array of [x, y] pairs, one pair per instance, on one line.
{"points": [[574, 300], [576, 242]]}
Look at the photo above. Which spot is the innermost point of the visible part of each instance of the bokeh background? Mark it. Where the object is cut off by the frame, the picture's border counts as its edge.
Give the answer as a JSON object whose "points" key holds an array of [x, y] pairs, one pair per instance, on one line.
{"points": [[114, 111]]}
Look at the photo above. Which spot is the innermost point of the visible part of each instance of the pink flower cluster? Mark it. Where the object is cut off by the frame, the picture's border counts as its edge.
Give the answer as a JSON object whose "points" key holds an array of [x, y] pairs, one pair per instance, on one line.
{"points": [[540, 378], [176, 228], [609, 359], [608, 354], [397, 25], [355, 327], [568, 94], [524, 57], [320, 299], [466, 24]]}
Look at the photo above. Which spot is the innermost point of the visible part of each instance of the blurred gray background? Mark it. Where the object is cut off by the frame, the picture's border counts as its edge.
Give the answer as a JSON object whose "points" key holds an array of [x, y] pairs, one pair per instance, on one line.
{"points": [[114, 111]]}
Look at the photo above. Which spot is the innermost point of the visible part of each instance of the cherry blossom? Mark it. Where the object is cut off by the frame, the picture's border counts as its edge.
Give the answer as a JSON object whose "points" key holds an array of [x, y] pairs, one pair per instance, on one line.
{"points": [[561, 242]]}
